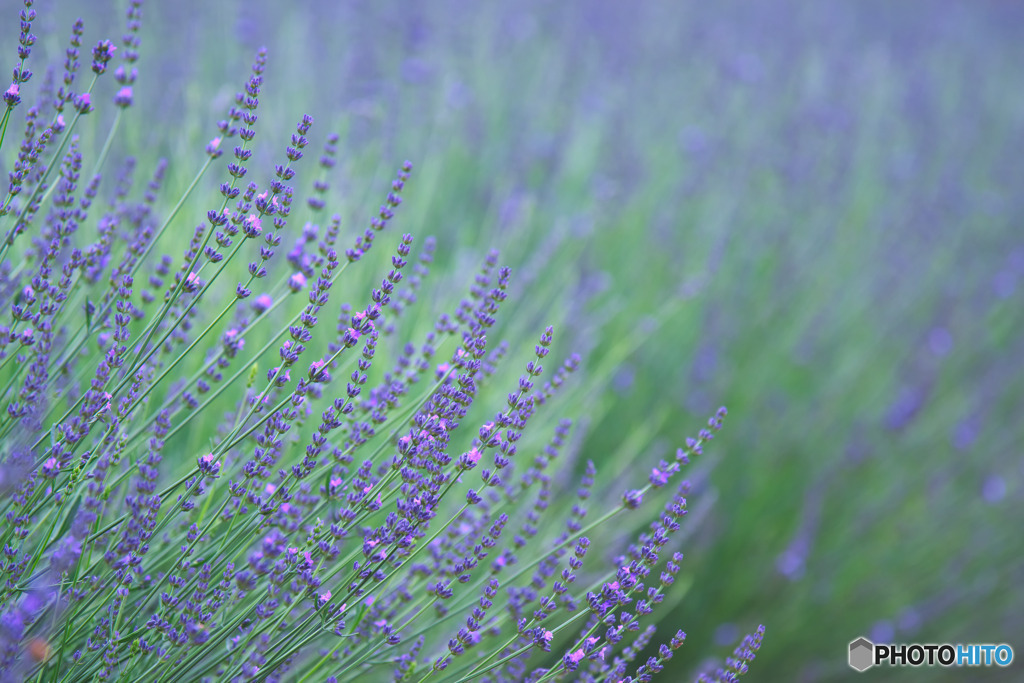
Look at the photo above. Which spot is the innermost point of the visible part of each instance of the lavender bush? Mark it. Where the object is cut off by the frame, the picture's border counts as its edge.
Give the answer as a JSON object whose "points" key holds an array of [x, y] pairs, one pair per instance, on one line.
{"points": [[358, 505]]}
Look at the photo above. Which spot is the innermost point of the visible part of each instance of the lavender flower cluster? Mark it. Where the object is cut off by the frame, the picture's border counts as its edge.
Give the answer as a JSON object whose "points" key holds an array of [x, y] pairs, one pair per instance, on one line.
{"points": [[342, 522]]}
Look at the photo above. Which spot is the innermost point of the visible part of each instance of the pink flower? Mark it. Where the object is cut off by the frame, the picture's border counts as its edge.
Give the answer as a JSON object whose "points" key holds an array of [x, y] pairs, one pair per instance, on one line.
{"points": [[469, 459], [548, 635], [252, 225], [192, 282], [270, 488], [83, 103], [233, 343], [207, 464], [123, 98], [51, 467], [10, 96], [575, 657], [318, 371], [262, 303], [273, 205]]}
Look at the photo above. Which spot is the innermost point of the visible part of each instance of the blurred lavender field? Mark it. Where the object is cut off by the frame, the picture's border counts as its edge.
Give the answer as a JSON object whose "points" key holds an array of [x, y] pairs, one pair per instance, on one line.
{"points": [[807, 211]]}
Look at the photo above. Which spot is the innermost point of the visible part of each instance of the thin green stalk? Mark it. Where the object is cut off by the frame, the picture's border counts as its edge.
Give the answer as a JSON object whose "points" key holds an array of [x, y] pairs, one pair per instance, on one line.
{"points": [[3, 125], [105, 150], [139, 261], [244, 531], [406, 559], [54, 162]]}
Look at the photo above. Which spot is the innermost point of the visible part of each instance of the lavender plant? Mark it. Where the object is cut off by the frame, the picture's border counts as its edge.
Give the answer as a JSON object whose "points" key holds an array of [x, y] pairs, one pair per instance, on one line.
{"points": [[351, 514]]}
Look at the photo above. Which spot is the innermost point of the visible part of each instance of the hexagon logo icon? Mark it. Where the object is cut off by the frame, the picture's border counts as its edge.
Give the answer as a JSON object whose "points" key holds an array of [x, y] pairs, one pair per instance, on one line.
{"points": [[862, 654]]}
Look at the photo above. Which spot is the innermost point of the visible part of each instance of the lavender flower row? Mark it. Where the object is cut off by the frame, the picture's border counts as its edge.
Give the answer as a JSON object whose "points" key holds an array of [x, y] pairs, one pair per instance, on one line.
{"points": [[347, 514]]}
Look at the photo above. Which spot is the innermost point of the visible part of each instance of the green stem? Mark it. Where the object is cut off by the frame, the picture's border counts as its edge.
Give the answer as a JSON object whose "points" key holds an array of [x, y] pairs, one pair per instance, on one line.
{"points": [[102, 158], [54, 162], [3, 125]]}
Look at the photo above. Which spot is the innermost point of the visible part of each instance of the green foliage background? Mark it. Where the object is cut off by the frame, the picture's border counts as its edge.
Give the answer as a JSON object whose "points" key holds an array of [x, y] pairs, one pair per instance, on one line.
{"points": [[809, 212]]}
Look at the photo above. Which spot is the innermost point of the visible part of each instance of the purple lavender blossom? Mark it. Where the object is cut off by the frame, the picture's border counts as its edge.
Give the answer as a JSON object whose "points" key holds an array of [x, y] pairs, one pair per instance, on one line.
{"points": [[101, 55], [12, 96], [197, 485]]}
